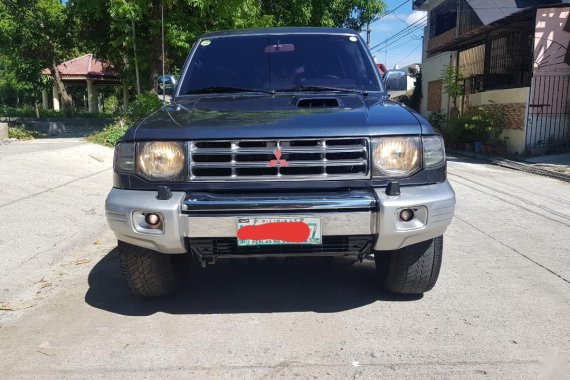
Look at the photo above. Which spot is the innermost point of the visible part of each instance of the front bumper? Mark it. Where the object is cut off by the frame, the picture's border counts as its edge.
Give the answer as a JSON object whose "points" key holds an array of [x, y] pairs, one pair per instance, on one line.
{"points": [[191, 217]]}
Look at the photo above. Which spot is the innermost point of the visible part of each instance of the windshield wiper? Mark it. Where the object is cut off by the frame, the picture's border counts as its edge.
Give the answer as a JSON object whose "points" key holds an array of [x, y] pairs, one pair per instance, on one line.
{"points": [[225, 90], [321, 89]]}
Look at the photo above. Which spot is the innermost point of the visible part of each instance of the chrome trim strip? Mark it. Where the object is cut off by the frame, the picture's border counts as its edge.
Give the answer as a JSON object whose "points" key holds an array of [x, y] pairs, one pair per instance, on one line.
{"points": [[296, 149], [292, 164], [353, 199]]}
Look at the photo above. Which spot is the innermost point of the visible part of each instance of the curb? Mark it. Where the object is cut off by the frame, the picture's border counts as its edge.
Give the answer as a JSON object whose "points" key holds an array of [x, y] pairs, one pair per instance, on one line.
{"points": [[515, 165]]}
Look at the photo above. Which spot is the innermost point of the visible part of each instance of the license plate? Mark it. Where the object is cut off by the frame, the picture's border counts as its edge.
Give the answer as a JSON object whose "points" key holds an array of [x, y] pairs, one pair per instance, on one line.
{"points": [[275, 231]]}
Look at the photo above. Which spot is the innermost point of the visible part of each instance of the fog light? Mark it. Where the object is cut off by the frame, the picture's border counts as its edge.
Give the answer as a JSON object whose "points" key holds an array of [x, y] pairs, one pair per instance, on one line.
{"points": [[406, 215], [152, 219]]}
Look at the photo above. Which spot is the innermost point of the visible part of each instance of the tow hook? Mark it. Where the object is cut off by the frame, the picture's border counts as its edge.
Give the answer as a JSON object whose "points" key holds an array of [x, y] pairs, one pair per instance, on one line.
{"points": [[207, 260]]}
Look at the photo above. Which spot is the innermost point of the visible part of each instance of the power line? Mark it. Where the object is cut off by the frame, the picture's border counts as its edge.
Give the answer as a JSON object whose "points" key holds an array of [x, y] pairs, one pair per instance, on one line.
{"points": [[394, 10], [399, 45], [408, 34], [395, 38], [412, 25], [368, 30], [416, 48]]}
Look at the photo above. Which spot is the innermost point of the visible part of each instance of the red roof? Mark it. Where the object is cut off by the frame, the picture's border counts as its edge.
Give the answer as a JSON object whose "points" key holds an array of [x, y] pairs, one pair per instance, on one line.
{"points": [[84, 66]]}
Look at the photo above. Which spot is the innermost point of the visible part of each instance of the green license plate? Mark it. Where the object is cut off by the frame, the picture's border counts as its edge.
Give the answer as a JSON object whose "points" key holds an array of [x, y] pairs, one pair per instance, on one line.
{"points": [[256, 231]]}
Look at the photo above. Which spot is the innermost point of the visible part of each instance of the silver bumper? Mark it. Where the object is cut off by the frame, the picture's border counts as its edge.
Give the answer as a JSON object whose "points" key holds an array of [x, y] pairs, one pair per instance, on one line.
{"points": [[356, 212]]}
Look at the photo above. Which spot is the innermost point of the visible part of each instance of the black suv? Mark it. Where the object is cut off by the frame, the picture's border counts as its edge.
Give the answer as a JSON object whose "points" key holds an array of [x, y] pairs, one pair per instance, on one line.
{"points": [[280, 142]]}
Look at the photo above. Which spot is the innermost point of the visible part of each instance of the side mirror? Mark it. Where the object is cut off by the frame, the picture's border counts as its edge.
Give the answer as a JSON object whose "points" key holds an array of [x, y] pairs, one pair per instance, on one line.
{"points": [[395, 80], [166, 84]]}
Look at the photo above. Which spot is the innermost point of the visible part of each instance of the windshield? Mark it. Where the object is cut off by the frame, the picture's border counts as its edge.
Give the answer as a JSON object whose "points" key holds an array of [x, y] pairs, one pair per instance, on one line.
{"points": [[280, 63]]}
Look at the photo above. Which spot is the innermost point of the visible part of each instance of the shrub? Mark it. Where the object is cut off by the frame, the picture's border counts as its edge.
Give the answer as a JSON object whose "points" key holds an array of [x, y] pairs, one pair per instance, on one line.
{"points": [[111, 104], [22, 132], [144, 104], [437, 119], [460, 133], [484, 123], [112, 132]]}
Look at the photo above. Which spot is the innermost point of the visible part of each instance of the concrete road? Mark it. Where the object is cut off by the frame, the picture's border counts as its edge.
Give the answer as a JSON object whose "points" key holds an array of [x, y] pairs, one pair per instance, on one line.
{"points": [[51, 203], [501, 308]]}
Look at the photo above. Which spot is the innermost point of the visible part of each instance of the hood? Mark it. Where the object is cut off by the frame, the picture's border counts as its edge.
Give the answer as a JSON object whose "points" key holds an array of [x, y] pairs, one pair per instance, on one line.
{"points": [[279, 116]]}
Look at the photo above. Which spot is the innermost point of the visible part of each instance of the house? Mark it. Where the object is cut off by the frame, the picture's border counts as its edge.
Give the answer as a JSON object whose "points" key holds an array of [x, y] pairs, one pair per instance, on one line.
{"points": [[86, 72], [514, 55]]}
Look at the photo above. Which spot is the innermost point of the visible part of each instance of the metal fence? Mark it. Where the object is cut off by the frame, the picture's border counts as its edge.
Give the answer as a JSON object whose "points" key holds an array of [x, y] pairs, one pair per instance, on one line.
{"points": [[548, 116]]}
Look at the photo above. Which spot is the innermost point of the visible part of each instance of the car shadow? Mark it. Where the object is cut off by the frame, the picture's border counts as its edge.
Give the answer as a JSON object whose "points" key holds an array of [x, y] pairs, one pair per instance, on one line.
{"points": [[269, 285]]}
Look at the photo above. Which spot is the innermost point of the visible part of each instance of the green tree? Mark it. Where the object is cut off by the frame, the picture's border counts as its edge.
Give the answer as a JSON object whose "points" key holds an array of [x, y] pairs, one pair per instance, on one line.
{"points": [[107, 25], [452, 82], [37, 34]]}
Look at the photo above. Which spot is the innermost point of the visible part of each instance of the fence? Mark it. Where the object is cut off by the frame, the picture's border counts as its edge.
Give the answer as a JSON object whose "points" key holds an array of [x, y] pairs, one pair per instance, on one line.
{"points": [[548, 115]]}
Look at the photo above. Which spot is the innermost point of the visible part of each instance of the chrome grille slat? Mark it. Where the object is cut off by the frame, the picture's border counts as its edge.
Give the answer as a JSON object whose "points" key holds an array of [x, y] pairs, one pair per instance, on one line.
{"points": [[263, 164], [309, 149], [318, 159]]}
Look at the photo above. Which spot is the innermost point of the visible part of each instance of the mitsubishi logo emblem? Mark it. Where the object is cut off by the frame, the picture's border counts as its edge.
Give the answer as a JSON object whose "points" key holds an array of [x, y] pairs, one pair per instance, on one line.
{"points": [[278, 162]]}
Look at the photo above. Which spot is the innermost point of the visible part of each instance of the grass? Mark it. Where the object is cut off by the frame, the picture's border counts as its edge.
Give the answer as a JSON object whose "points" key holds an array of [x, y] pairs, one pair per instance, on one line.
{"points": [[23, 132]]}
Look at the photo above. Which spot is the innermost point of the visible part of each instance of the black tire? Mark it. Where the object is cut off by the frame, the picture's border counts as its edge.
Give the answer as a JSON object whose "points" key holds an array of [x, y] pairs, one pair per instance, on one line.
{"points": [[413, 269], [149, 273]]}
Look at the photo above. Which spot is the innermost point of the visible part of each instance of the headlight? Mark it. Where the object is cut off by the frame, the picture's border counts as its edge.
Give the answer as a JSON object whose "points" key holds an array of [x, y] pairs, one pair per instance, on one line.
{"points": [[160, 159], [124, 158], [395, 156], [434, 152]]}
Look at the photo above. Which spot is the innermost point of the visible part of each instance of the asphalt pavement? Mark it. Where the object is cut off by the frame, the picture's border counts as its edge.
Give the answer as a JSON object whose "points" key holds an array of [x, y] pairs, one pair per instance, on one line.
{"points": [[500, 309]]}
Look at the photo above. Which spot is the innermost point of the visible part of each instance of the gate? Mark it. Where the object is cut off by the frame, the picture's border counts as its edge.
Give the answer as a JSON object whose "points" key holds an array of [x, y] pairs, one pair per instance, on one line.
{"points": [[548, 115]]}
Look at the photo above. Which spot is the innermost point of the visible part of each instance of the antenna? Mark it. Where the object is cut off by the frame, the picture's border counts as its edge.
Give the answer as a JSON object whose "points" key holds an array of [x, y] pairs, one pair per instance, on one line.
{"points": [[136, 59], [163, 58]]}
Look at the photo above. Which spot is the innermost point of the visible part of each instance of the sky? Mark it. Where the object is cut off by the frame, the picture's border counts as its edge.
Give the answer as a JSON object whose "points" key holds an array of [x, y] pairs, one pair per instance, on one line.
{"points": [[402, 49]]}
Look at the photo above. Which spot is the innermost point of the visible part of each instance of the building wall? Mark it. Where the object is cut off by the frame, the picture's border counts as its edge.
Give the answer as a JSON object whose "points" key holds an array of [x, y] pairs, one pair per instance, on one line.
{"points": [[511, 104], [431, 71], [442, 39], [551, 40]]}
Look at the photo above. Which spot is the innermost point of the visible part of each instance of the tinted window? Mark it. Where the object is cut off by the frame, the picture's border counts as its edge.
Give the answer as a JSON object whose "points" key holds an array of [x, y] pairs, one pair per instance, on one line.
{"points": [[280, 62]]}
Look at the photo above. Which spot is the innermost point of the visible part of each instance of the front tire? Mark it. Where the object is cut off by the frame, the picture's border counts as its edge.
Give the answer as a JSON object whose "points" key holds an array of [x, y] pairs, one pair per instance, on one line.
{"points": [[413, 269], [149, 273]]}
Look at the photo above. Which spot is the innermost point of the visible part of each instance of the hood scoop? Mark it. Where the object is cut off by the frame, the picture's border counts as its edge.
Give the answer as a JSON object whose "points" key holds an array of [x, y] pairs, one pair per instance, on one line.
{"points": [[318, 103]]}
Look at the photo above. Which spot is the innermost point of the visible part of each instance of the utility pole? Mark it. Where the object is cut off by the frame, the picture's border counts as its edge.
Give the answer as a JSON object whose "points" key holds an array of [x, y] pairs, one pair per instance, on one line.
{"points": [[368, 30], [386, 60], [136, 59], [163, 58]]}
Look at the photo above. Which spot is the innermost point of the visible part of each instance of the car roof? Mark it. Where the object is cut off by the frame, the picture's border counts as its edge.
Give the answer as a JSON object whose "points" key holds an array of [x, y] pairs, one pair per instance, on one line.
{"points": [[287, 30]]}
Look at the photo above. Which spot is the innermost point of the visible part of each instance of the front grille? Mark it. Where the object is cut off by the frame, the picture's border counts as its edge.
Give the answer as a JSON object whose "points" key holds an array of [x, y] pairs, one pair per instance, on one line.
{"points": [[341, 158], [332, 245]]}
